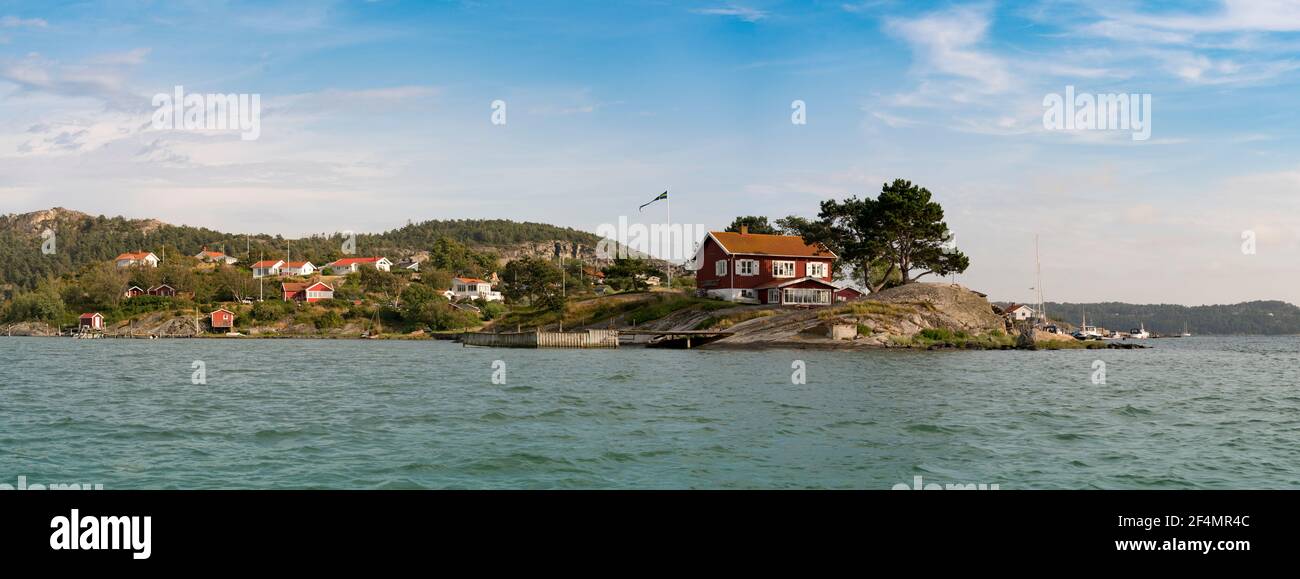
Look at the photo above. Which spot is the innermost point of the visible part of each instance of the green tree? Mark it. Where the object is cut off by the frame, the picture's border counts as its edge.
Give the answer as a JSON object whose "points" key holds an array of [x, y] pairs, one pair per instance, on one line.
{"points": [[534, 279], [755, 223], [885, 240], [628, 274]]}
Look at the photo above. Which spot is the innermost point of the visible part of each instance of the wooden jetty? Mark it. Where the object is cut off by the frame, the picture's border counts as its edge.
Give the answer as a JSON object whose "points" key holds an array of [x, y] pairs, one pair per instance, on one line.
{"points": [[540, 339]]}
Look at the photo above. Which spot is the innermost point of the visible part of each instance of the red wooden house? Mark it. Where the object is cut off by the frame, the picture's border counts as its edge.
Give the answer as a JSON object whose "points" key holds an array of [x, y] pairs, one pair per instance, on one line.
{"points": [[307, 292], [848, 294], [222, 319], [93, 322], [134, 292], [163, 290], [756, 268]]}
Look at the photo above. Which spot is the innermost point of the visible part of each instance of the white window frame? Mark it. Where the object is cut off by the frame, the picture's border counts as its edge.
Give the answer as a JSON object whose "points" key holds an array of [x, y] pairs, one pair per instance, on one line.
{"points": [[774, 296], [822, 269], [720, 267], [775, 264], [747, 267], [807, 296]]}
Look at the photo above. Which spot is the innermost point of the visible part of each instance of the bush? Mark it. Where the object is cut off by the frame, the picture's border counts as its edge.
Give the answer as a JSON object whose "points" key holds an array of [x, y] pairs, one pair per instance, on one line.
{"points": [[327, 320]]}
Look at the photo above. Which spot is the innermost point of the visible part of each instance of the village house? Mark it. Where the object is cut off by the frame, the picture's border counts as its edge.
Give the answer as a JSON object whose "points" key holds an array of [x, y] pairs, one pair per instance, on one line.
{"points": [[92, 322], [307, 292], [473, 288], [755, 268], [138, 258], [1018, 312], [303, 268], [353, 264], [133, 292], [848, 294], [215, 257], [267, 268], [222, 319], [163, 290], [409, 265]]}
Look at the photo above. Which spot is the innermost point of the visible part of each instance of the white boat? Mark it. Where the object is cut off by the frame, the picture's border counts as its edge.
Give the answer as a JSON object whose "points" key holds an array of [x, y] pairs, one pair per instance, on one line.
{"points": [[1139, 334], [1086, 332], [1185, 334]]}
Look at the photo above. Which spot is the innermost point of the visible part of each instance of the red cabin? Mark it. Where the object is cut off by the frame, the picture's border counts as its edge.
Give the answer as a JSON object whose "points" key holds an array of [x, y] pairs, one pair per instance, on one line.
{"points": [[134, 292], [849, 294], [307, 292], [755, 268], [163, 290], [91, 322], [222, 319]]}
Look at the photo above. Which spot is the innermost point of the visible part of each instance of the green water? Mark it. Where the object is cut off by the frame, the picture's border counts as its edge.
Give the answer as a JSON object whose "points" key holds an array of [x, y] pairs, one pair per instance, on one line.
{"points": [[1190, 413]]}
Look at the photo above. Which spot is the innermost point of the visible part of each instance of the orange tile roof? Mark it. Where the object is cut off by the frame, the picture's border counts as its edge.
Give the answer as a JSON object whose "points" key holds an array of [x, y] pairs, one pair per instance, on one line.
{"points": [[267, 263], [352, 260], [136, 255], [762, 244]]}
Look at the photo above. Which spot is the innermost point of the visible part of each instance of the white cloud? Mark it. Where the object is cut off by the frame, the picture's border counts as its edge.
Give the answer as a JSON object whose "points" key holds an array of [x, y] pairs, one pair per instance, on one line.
{"points": [[16, 22], [948, 43], [744, 13]]}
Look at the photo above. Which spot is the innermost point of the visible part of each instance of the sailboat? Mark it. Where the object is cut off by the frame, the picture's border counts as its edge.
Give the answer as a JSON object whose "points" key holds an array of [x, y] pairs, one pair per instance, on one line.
{"points": [[1086, 332], [1185, 334]]}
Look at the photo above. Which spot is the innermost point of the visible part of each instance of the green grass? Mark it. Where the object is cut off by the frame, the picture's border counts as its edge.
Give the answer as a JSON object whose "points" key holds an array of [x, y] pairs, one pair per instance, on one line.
{"points": [[943, 337]]}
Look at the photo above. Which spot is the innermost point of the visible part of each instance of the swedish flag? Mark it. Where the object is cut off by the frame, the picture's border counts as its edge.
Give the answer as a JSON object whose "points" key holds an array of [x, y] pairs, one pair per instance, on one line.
{"points": [[661, 197]]}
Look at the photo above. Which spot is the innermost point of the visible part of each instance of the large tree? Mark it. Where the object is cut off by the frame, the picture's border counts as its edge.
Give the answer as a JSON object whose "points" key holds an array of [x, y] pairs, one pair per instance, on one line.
{"points": [[898, 237], [754, 223], [535, 279]]}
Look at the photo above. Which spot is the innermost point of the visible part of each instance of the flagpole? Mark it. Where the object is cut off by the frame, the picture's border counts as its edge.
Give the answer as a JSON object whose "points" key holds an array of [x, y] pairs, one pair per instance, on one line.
{"points": [[669, 199]]}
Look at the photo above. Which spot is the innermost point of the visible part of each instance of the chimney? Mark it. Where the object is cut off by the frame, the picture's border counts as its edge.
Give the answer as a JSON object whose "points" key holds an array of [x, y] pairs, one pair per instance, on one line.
{"points": [[744, 229]]}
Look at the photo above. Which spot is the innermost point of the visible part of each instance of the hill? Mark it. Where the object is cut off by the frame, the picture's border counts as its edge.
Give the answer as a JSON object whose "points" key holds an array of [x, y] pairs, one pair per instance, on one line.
{"points": [[82, 239], [1258, 317]]}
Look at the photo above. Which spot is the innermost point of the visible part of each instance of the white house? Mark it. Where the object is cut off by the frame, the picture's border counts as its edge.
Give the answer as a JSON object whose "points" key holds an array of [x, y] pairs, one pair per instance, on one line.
{"points": [[473, 288], [267, 268], [215, 257], [1019, 312], [143, 258], [303, 268], [353, 264]]}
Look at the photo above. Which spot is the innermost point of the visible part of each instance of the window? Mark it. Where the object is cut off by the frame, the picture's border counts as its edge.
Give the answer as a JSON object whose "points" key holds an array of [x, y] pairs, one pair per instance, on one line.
{"points": [[774, 296], [748, 293], [783, 269], [720, 267], [807, 296], [747, 267], [816, 269]]}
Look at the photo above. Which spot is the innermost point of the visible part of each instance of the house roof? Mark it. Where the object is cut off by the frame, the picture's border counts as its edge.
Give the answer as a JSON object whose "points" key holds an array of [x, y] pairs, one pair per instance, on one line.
{"points": [[763, 244], [222, 310], [161, 286], [134, 255], [304, 286], [470, 280], [852, 289], [90, 315], [268, 263], [783, 283], [296, 264], [1014, 307], [211, 254], [351, 260]]}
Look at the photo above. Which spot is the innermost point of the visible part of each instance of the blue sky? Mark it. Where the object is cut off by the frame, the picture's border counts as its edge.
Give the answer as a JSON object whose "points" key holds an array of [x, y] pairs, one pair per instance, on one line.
{"points": [[375, 113]]}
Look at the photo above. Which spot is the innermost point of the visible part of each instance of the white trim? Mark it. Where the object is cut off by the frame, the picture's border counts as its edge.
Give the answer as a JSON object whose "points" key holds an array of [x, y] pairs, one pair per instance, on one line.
{"points": [[793, 268], [824, 269], [753, 270], [720, 268]]}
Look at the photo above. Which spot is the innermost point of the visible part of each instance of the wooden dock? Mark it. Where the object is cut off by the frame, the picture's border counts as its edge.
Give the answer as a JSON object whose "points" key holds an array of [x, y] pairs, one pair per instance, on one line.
{"points": [[540, 339]]}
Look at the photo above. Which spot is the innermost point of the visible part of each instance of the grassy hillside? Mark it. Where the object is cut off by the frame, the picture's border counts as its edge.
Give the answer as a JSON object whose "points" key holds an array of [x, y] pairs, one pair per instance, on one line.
{"points": [[83, 239]]}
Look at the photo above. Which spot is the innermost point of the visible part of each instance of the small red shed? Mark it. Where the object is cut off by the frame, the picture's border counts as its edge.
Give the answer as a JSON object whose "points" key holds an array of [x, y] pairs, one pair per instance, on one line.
{"points": [[222, 319], [93, 322]]}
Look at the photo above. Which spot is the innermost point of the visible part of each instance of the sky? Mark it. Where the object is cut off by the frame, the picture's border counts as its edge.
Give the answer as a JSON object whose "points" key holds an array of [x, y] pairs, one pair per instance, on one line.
{"points": [[378, 113]]}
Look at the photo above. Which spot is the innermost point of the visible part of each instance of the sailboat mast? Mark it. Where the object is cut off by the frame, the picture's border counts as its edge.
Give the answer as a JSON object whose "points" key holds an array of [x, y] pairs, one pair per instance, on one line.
{"points": [[1038, 282]]}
